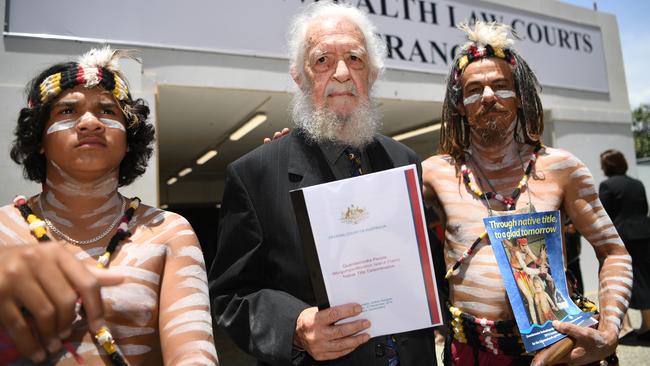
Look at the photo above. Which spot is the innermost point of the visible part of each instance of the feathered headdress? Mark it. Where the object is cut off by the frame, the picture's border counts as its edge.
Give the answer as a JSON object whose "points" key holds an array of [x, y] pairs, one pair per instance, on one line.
{"points": [[99, 66], [485, 39]]}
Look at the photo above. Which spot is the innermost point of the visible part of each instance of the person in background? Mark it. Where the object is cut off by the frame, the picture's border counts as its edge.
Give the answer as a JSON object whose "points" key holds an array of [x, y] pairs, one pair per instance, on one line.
{"points": [[625, 201], [573, 249]]}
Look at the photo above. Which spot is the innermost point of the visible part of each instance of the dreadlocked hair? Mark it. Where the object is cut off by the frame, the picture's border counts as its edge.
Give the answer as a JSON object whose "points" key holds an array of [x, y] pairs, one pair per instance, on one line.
{"points": [[455, 130]]}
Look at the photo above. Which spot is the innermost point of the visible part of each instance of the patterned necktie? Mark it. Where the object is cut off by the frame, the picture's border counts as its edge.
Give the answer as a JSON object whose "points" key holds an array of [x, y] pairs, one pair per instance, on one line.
{"points": [[354, 156]]}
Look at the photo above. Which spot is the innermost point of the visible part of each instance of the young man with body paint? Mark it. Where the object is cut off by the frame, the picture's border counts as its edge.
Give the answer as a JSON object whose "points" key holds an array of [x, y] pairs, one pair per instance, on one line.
{"points": [[491, 132], [82, 136]]}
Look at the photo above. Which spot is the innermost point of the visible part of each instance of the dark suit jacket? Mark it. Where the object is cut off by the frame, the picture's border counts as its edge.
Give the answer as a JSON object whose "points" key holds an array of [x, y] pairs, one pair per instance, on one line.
{"points": [[625, 201], [259, 281]]}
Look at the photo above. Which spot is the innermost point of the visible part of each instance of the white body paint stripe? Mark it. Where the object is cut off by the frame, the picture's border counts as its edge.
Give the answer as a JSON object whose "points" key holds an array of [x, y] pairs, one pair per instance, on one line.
{"points": [[625, 257], [614, 309], [139, 273], [195, 283], [198, 299], [196, 360], [193, 327], [192, 270], [125, 331], [193, 252], [481, 293], [90, 252], [626, 291], [478, 306], [615, 320], [625, 302], [205, 346], [188, 316], [624, 265]]}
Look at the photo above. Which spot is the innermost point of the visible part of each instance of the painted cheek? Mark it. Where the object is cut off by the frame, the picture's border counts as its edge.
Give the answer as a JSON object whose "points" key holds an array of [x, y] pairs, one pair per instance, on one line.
{"points": [[62, 126], [72, 123], [471, 99], [111, 123], [505, 94]]}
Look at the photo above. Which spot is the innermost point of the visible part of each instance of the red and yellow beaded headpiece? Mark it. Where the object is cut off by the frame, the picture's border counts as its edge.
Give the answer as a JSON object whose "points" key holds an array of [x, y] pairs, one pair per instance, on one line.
{"points": [[484, 40], [97, 67]]}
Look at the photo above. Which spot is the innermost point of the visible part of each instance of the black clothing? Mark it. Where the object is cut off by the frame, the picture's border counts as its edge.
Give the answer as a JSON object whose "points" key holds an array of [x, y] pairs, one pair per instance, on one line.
{"points": [[624, 199], [259, 281]]}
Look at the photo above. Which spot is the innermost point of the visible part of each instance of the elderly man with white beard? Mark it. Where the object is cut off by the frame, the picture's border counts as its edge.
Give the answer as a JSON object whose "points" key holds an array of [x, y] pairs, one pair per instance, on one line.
{"points": [[259, 281]]}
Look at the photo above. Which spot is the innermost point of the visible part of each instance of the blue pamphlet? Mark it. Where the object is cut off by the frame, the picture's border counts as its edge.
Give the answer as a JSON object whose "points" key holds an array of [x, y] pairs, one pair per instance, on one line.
{"points": [[528, 249]]}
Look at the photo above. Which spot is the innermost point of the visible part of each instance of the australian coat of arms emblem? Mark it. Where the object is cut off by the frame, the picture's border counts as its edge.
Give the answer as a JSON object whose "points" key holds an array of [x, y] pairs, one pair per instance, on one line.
{"points": [[353, 215]]}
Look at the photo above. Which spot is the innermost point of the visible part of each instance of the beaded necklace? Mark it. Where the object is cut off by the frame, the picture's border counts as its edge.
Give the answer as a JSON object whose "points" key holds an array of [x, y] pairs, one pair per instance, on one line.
{"points": [[509, 202], [37, 227]]}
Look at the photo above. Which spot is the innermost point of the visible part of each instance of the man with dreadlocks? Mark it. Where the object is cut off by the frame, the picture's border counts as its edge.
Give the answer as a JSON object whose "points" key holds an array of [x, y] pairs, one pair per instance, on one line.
{"points": [[493, 160]]}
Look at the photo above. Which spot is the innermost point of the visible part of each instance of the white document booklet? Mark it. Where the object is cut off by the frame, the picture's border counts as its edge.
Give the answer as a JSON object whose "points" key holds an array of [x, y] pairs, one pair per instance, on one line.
{"points": [[365, 240]]}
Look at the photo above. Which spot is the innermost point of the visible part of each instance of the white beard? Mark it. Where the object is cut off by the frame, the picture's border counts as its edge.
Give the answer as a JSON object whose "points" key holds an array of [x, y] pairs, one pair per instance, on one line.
{"points": [[356, 130]]}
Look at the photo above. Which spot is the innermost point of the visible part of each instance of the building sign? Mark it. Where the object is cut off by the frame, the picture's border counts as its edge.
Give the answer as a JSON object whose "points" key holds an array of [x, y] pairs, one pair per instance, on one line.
{"points": [[421, 35]]}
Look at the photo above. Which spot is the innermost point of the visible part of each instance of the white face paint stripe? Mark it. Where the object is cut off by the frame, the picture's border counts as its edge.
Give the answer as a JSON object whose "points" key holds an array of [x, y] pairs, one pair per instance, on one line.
{"points": [[192, 327], [61, 126], [192, 315], [503, 94], [111, 123], [198, 299], [471, 99], [72, 123]]}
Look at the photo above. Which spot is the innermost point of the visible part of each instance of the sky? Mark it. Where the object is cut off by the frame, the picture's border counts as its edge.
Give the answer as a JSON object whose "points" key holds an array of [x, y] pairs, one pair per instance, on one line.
{"points": [[634, 28]]}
